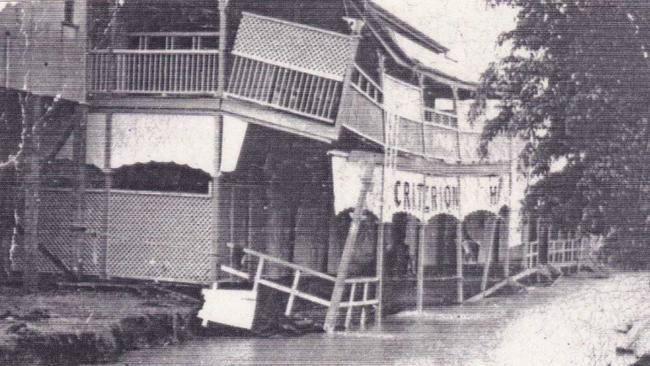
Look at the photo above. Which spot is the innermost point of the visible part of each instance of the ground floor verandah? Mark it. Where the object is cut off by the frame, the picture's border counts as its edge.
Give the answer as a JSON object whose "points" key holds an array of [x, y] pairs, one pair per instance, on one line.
{"points": [[279, 197]]}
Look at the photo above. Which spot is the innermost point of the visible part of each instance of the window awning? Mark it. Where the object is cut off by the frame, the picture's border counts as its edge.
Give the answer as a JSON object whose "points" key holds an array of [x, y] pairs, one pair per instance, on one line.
{"points": [[182, 139]]}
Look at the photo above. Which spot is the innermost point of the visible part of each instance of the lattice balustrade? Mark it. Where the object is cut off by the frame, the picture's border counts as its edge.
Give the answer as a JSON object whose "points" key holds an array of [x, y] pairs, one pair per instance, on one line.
{"points": [[149, 236], [289, 44], [162, 237]]}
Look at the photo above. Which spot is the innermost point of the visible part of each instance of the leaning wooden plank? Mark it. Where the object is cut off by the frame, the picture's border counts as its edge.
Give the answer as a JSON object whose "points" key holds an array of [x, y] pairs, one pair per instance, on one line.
{"points": [[342, 273], [235, 272], [501, 284], [58, 263], [488, 260]]}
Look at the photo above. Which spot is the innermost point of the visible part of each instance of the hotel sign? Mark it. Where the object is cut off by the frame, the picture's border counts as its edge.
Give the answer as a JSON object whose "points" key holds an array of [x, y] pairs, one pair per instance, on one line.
{"points": [[420, 195]]}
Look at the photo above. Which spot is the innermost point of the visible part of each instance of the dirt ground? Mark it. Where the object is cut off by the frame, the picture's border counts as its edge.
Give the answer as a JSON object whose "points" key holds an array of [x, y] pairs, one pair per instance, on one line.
{"points": [[78, 326]]}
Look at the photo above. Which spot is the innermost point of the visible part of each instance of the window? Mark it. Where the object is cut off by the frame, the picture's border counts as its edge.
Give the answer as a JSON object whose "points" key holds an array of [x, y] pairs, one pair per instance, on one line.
{"points": [[68, 12]]}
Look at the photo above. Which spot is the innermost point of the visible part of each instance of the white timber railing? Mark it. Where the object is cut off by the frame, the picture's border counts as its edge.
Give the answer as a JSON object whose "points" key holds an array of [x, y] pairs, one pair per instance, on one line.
{"points": [[564, 251], [366, 299], [532, 254], [153, 71], [439, 117], [365, 85], [286, 89]]}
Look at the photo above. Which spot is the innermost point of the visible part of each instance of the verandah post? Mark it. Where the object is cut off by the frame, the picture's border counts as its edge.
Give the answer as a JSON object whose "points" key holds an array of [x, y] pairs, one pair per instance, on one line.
{"points": [[459, 227], [379, 292], [217, 246], [108, 183], [79, 157], [420, 269], [33, 109], [459, 253]]}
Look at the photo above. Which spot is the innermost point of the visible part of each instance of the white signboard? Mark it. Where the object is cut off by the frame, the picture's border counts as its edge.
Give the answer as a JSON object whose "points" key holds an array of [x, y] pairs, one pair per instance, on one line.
{"points": [[420, 195]]}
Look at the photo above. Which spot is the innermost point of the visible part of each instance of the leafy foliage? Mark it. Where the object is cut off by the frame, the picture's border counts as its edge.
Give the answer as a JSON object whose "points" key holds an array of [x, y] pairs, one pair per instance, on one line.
{"points": [[576, 89]]}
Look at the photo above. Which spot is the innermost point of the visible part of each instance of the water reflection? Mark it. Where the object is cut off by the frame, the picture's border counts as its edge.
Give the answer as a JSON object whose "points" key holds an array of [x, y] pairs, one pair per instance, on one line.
{"points": [[569, 323]]}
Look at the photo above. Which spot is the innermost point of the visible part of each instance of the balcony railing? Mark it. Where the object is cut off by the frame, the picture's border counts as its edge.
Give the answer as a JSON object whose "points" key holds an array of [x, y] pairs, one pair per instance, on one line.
{"points": [[153, 71], [364, 84], [440, 117], [286, 89]]}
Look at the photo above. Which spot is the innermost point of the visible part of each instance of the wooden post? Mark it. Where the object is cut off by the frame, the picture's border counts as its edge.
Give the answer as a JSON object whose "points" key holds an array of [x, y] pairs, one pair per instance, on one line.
{"points": [[456, 99], [33, 110], [511, 173], [380, 273], [538, 277], [79, 152], [488, 260], [420, 270], [423, 140], [108, 183], [379, 292], [217, 248], [459, 228], [459, 249], [348, 250], [223, 28], [217, 219], [258, 274], [539, 241], [506, 264]]}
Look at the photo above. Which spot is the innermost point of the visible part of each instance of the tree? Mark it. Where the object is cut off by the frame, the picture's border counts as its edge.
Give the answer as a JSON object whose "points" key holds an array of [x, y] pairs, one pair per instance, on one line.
{"points": [[576, 88]]}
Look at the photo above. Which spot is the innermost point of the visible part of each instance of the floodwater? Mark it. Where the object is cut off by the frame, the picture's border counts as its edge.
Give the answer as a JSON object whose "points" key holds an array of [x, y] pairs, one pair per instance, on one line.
{"points": [[572, 322]]}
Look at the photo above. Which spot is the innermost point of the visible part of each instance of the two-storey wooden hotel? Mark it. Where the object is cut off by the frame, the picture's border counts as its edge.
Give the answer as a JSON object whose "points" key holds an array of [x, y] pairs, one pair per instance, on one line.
{"points": [[195, 127]]}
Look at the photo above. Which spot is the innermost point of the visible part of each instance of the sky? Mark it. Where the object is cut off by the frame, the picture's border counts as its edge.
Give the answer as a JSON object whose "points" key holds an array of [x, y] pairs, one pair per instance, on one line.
{"points": [[469, 28]]}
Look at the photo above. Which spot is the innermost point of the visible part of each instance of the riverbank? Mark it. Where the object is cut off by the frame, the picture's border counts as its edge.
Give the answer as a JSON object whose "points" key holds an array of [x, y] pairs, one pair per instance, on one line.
{"points": [[69, 327]]}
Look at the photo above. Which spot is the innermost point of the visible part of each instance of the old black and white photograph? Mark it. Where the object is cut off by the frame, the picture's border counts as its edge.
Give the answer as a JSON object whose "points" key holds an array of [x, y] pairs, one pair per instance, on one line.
{"points": [[325, 182]]}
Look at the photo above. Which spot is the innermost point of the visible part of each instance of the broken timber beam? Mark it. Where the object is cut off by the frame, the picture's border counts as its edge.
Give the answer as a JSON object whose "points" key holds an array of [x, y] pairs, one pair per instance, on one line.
{"points": [[488, 260], [498, 286]]}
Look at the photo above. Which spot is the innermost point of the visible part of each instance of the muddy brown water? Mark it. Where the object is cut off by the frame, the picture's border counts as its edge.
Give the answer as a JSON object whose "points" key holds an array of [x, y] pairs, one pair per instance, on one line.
{"points": [[571, 322]]}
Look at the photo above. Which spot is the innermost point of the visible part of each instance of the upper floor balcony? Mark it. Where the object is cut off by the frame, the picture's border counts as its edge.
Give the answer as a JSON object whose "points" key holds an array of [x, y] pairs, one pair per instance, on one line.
{"points": [[288, 74], [161, 63]]}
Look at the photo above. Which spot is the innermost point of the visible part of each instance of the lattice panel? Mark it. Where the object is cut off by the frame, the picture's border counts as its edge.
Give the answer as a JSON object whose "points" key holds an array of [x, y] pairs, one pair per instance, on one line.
{"points": [[56, 217], [95, 234], [159, 237], [286, 43]]}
